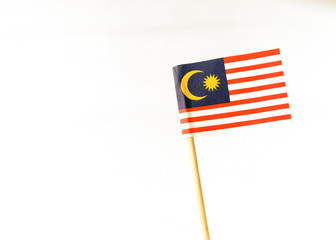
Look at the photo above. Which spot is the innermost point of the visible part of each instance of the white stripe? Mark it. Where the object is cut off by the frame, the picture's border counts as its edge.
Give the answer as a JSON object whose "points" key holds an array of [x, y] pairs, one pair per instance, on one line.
{"points": [[258, 94], [256, 83], [236, 119], [254, 72], [285, 121], [233, 108], [252, 62]]}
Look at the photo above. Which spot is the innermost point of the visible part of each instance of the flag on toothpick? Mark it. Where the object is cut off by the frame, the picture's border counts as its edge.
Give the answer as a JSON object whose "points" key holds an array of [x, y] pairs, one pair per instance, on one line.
{"points": [[228, 92], [231, 92]]}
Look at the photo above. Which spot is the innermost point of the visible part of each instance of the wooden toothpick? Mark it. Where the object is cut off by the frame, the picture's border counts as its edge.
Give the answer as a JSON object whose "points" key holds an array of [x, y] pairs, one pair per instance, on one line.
{"points": [[198, 187]]}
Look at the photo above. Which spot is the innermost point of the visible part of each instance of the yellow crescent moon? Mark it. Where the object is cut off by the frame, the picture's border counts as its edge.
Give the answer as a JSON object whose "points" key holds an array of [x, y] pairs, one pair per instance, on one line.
{"points": [[184, 85]]}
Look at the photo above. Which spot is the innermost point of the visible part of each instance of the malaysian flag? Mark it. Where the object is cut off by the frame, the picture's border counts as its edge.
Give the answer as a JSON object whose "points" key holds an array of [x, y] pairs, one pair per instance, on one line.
{"points": [[231, 92]]}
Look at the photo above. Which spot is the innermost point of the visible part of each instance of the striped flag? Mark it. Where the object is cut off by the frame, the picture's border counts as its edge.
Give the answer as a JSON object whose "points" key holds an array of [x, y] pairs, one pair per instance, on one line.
{"points": [[231, 92]]}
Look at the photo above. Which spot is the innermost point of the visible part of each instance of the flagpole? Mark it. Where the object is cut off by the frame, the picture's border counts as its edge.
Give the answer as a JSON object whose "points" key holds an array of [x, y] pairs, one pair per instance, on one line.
{"points": [[198, 187]]}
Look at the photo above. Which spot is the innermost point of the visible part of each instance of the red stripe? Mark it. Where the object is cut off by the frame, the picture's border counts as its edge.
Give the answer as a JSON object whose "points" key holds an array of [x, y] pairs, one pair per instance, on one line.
{"points": [[236, 124], [258, 88], [235, 103], [234, 114], [253, 67], [254, 78], [249, 56]]}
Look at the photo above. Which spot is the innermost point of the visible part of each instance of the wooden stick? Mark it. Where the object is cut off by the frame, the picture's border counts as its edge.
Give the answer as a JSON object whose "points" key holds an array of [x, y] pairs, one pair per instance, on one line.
{"points": [[197, 180]]}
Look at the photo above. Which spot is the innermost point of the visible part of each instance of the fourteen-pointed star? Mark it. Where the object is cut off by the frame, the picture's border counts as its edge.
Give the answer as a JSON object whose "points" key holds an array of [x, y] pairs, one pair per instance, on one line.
{"points": [[211, 82]]}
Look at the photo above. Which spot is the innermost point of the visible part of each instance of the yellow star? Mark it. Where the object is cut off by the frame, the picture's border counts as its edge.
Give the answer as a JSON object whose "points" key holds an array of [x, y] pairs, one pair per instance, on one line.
{"points": [[211, 82]]}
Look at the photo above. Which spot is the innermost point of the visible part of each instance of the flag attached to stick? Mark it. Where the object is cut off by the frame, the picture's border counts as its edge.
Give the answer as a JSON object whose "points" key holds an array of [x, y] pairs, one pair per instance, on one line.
{"points": [[231, 92]]}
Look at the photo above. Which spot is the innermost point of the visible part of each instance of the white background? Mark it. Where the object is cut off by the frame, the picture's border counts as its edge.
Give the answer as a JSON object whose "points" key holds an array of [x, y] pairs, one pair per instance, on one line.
{"points": [[90, 142]]}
